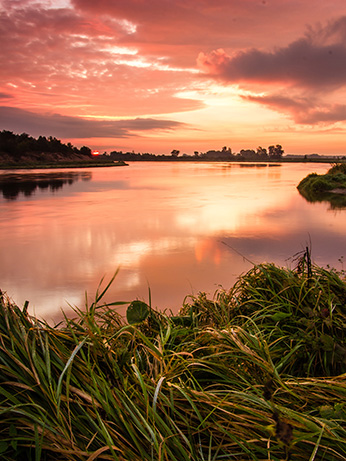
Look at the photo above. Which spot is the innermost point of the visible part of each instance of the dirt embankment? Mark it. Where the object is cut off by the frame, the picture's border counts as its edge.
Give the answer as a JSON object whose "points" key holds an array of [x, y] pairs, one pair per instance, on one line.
{"points": [[42, 158]]}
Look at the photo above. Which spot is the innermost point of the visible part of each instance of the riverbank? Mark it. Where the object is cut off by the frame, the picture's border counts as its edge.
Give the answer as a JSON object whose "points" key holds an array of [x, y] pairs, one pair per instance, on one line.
{"points": [[73, 164], [330, 187], [49, 161], [258, 372]]}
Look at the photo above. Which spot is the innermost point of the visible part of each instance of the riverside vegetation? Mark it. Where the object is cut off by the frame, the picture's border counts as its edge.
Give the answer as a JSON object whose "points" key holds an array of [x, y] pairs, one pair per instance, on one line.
{"points": [[256, 373], [24, 151], [330, 187]]}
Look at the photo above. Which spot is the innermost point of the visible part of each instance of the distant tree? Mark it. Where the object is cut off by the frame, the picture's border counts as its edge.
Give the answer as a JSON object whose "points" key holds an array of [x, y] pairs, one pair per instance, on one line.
{"points": [[42, 144], [18, 145], [85, 150], [261, 151], [279, 150], [248, 154], [175, 153], [69, 147], [9, 143], [227, 150], [271, 151], [196, 153], [275, 151]]}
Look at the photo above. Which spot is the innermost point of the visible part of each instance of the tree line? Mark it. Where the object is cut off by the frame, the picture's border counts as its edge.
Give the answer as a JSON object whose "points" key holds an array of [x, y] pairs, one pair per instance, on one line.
{"points": [[274, 152], [17, 145]]}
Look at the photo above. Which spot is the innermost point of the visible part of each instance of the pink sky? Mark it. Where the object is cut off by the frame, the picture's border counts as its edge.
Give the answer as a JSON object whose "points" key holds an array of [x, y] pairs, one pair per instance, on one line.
{"points": [[193, 75]]}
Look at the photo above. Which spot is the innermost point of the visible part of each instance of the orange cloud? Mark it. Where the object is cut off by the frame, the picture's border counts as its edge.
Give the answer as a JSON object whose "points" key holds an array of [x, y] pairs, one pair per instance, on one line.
{"points": [[308, 72], [106, 60]]}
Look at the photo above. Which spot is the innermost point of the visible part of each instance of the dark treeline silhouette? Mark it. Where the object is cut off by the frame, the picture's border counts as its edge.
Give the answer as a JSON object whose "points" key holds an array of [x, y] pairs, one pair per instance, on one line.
{"points": [[225, 154], [20, 145]]}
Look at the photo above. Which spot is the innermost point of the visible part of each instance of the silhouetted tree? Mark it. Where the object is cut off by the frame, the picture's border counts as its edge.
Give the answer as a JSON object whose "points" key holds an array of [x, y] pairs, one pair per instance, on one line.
{"points": [[248, 154], [261, 151], [279, 150], [18, 145], [275, 151], [85, 150]]}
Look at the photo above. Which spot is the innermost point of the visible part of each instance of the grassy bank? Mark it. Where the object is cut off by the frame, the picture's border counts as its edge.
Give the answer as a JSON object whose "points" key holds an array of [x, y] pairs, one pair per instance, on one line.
{"points": [[329, 187], [256, 373]]}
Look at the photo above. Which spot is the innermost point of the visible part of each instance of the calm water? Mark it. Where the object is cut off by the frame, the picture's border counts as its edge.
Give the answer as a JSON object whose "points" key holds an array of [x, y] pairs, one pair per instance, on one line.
{"points": [[175, 229]]}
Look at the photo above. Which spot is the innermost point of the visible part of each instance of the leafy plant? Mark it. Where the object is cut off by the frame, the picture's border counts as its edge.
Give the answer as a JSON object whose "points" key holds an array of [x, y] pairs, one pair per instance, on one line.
{"points": [[137, 312]]}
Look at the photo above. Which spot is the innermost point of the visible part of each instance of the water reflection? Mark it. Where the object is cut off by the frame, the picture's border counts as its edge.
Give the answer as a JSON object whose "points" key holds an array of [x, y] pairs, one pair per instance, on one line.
{"points": [[336, 200], [178, 229], [259, 165], [12, 185]]}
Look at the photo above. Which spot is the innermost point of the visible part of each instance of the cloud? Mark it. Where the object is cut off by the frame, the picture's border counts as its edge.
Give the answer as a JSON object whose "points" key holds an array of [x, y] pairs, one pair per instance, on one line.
{"points": [[307, 111], [208, 22], [302, 63], [299, 80], [85, 64], [86, 59], [18, 120], [5, 95]]}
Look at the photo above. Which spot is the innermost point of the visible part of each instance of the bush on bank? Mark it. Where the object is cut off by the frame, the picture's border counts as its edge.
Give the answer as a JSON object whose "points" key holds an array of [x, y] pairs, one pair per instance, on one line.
{"points": [[330, 187], [258, 372]]}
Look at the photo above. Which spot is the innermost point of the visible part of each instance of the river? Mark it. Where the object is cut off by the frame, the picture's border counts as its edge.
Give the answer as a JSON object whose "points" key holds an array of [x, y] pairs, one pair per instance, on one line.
{"points": [[171, 229]]}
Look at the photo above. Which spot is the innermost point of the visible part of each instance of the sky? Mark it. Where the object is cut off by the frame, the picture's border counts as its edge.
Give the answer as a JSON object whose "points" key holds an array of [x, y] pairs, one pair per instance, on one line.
{"points": [[192, 75]]}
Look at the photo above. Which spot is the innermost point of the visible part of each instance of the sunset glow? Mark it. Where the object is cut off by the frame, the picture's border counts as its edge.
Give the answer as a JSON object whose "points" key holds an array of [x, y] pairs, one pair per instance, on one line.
{"points": [[157, 75]]}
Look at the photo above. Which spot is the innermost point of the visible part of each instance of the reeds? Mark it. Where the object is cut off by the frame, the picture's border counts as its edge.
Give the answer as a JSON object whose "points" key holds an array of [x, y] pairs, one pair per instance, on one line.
{"points": [[257, 373]]}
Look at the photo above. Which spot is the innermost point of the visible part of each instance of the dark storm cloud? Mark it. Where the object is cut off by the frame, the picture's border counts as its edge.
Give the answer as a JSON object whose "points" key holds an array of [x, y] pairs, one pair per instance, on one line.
{"points": [[302, 63], [19, 120]]}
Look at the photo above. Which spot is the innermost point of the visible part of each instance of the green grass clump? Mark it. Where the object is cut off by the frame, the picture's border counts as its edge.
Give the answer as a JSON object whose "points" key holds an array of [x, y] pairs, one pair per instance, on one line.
{"points": [[257, 373], [301, 317], [330, 187], [337, 168]]}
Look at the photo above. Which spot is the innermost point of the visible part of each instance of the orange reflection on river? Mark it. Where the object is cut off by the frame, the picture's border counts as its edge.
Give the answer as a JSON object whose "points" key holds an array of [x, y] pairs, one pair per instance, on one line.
{"points": [[173, 229]]}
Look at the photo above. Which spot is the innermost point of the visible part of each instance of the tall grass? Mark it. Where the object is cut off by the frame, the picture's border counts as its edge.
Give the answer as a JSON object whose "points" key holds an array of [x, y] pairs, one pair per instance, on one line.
{"points": [[257, 373]]}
